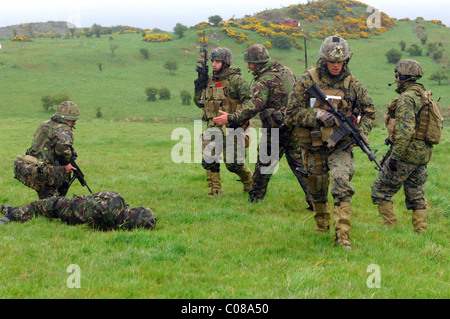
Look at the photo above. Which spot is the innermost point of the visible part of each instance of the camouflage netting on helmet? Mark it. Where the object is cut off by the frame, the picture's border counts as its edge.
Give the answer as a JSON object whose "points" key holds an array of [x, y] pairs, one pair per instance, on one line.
{"points": [[335, 49], [68, 110], [142, 217], [256, 53]]}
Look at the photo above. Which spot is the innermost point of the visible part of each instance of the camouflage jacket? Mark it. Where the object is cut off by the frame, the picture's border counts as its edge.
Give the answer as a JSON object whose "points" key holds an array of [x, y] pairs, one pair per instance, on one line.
{"points": [[239, 89], [270, 91], [52, 142], [299, 113], [406, 148]]}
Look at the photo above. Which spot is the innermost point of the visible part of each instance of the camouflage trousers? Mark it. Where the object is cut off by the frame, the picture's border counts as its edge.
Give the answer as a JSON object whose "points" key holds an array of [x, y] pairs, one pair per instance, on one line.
{"points": [[322, 163], [264, 168], [215, 144], [104, 210], [411, 176]]}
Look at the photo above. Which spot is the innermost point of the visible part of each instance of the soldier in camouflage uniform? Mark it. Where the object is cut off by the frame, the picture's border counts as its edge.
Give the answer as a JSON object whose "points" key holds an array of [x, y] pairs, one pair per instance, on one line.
{"points": [[273, 82], [407, 164], [313, 125], [104, 210], [46, 166], [225, 90]]}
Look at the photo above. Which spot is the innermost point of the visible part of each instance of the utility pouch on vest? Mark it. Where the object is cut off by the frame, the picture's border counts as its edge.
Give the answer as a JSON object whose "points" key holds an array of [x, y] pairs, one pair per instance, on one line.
{"points": [[316, 138], [29, 171]]}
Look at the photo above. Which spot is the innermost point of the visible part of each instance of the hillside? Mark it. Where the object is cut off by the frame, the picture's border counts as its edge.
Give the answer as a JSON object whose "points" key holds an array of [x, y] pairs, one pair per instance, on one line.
{"points": [[84, 67]]}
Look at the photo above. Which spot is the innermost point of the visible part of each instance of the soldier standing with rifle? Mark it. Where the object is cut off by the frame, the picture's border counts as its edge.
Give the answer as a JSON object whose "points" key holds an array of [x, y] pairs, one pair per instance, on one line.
{"points": [[225, 90], [48, 163], [314, 125]]}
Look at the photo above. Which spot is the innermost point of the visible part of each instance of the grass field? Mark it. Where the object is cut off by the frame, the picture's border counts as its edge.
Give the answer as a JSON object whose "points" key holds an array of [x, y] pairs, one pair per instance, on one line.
{"points": [[219, 248]]}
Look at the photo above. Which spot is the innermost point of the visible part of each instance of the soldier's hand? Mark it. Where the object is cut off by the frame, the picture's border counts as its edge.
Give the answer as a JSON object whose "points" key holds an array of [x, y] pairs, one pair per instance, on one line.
{"points": [[326, 118], [68, 168], [393, 165], [202, 81], [223, 119]]}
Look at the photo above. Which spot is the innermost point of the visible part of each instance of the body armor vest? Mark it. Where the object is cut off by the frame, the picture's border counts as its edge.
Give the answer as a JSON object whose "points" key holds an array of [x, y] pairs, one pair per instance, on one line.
{"points": [[218, 98], [317, 135]]}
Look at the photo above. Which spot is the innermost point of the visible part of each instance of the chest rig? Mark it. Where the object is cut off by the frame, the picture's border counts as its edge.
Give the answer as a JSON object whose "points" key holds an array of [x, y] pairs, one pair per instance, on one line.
{"points": [[339, 97], [218, 97]]}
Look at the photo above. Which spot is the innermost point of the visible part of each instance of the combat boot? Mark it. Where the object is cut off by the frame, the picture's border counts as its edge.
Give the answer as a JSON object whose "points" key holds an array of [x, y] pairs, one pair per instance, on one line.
{"points": [[209, 181], [4, 220], [6, 209], [341, 215], [322, 217], [246, 177], [419, 220], [386, 210], [216, 184]]}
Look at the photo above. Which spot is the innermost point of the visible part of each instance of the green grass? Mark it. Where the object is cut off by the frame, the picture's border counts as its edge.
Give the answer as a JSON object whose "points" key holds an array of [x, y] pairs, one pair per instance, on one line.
{"points": [[218, 248]]}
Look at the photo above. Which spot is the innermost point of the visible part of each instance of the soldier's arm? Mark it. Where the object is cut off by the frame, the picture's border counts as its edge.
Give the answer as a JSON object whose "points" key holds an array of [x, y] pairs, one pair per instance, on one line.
{"points": [[366, 107], [298, 111], [251, 107], [240, 89], [63, 146], [404, 126]]}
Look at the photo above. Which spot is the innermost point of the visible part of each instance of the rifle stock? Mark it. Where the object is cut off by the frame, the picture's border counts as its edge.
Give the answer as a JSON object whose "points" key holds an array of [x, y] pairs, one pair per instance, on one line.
{"points": [[347, 126]]}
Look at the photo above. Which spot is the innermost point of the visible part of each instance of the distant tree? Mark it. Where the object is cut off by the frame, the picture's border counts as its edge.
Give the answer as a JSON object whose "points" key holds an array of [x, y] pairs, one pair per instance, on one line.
{"points": [[145, 53], [151, 93], [164, 93], [96, 29], [113, 47], [47, 102], [59, 98], [180, 29], [393, 55], [402, 45], [172, 66], [215, 19], [186, 97], [439, 77]]}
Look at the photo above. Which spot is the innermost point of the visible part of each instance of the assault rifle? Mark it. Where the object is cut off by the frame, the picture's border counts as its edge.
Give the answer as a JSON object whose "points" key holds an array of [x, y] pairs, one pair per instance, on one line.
{"points": [[202, 81], [77, 174], [347, 126], [388, 153]]}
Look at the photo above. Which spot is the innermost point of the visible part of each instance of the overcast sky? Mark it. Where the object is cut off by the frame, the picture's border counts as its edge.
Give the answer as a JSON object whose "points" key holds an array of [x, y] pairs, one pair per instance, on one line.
{"points": [[164, 14]]}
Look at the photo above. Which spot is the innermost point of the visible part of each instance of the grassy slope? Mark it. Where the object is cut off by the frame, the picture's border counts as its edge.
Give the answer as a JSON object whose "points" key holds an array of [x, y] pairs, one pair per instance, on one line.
{"points": [[222, 248]]}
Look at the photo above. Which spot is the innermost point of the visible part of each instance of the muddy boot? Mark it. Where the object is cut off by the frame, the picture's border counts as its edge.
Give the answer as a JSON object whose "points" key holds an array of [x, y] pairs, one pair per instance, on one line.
{"points": [[216, 184], [341, 215], [386, 210], [322, 217], [246, 177], [419, 220]]}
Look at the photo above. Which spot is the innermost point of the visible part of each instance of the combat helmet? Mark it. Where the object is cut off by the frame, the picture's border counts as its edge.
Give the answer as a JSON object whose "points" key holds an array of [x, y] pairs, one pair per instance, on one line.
{"points": [[335, 49], [408, 70], [256, 53], [142, 217], [222, 54], [68, 111]]}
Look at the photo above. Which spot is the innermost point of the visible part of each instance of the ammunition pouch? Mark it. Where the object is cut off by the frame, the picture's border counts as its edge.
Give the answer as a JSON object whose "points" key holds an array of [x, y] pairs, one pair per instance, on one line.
{"points": [[315, 137]]}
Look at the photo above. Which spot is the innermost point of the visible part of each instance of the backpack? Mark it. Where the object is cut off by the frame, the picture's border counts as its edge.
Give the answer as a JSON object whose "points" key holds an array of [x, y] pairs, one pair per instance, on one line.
{"points": [[429, 120]]}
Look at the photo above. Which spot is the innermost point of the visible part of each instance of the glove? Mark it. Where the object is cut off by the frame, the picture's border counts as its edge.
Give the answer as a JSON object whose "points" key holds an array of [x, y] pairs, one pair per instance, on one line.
{"points": [[393, 165], [202, 81], [326, 118]]}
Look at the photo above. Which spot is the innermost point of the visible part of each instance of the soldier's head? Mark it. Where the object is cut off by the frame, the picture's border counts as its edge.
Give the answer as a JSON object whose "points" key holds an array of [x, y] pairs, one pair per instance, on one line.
{"points": [[335, 53], [221, 59], [141, 217], [256, 56], [407, 70], [68, 111]]}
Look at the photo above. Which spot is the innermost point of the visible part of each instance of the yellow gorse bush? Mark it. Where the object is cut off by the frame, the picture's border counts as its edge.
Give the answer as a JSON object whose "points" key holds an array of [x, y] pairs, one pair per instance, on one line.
{"points": [[156, 38]]}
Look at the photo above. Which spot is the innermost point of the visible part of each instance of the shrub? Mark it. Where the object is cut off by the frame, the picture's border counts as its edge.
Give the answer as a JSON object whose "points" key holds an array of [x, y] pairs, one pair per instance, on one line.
{"points": [[151, 93], [98, 112], [414, 50], [186, 97], [268, 45], [393, 55], [145, 53], [47, 102], [156, 38], [164, 93], [281, 41]]}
